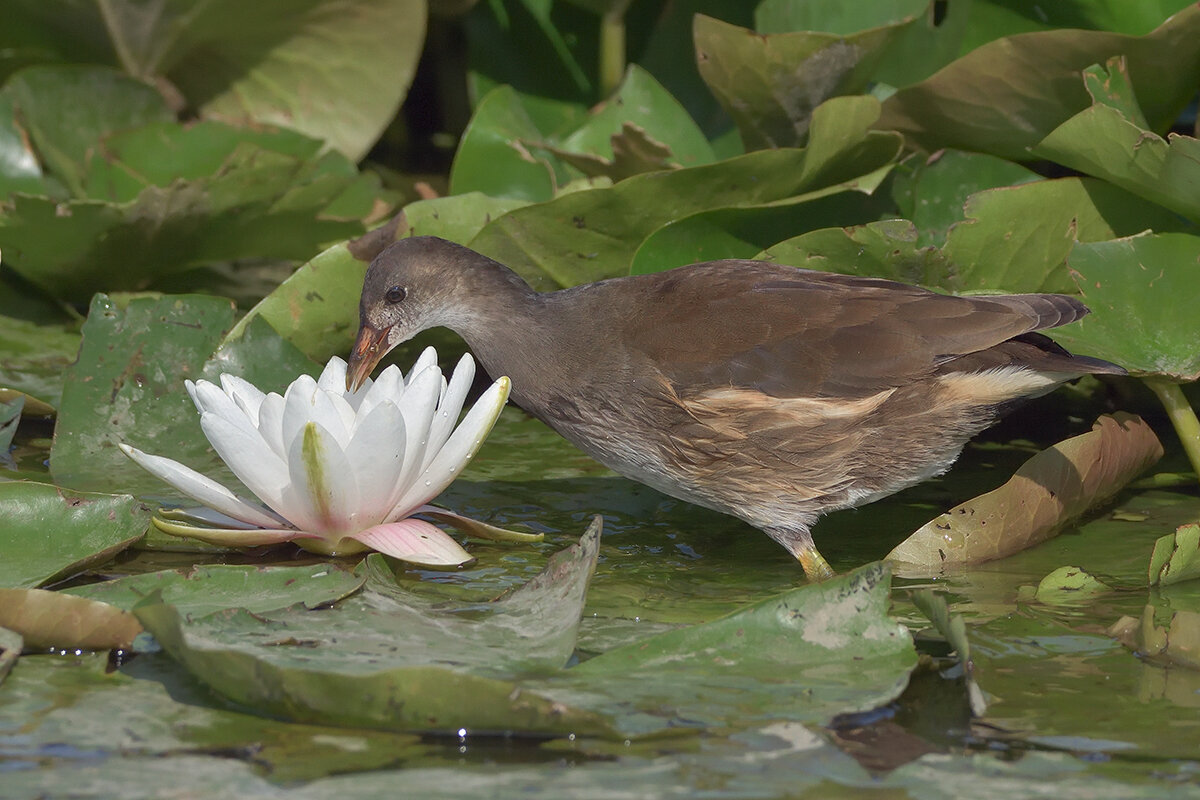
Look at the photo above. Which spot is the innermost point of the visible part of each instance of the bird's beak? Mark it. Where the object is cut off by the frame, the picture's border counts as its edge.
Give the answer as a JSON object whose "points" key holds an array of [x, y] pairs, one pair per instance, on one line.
{"points": [[369, 347]]}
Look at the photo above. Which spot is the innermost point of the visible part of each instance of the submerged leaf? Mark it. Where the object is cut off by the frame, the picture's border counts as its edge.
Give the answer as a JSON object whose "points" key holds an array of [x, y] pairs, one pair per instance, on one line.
{"points": [[11, 645], [56, 620], [1048, 491], [1178, 643], [954, 629], [1176, 556]]}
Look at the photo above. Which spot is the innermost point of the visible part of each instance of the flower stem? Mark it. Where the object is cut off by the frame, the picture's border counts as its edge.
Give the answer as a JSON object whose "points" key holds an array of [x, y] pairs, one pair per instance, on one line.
{"points": [[1182, 416]]}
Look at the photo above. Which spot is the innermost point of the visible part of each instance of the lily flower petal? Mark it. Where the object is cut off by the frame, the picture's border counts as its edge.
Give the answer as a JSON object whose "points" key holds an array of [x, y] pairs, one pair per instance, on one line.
{"points": [[228, 537], [428, 358], [376, 452], [458, 451], [419, 406], [474, 527], [415, 541], [270, 423], [449, 407], [246, 453], [321, 473], [201, 488], [245, 394]]}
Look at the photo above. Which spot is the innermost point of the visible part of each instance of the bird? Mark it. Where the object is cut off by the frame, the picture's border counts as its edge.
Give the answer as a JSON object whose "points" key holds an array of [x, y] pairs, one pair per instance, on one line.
{"points": [[764, 391]]}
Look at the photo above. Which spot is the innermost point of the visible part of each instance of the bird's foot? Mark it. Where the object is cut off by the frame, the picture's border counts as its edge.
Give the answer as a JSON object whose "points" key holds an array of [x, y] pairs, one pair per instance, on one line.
{"points": [[816, 568]]}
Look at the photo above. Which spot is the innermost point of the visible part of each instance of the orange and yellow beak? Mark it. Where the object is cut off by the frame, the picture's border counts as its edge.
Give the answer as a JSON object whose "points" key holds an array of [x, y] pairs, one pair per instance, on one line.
{"points": [[369, 347]]}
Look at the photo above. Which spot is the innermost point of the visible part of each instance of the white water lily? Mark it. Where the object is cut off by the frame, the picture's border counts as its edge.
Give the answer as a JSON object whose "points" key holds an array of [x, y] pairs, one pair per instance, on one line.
{"points": [[337, 472]]}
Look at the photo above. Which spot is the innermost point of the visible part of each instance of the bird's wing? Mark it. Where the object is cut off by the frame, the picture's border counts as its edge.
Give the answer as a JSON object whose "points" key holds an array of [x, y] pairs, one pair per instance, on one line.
{"points": [[797, 333]]}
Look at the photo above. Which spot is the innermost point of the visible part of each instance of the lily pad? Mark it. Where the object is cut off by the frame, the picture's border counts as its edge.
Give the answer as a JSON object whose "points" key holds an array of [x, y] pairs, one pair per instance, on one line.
{"points": [[1176, 557], [1008, 95], [699, 675], [33, 358], [292, 663], [494, 155], [205, 589], [55, 620], [771, 84], [50, 533], [128, 386], [1045, 494], [591, 235], [1070, 586], [1110, 141], [10, 417], [1142, 291]]}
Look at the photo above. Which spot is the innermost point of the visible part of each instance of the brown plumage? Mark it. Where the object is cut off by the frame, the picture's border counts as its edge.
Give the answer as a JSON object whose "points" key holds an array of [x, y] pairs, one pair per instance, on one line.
{"points": [[763, 391]]}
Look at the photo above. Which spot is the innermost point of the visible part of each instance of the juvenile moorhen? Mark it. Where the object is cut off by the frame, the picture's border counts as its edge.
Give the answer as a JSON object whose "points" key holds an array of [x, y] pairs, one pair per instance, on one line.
{"points": [[771, 393]]}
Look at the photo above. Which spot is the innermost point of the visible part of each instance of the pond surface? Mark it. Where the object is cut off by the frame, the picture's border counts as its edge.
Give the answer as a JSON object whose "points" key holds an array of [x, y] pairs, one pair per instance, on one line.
{"points": [[1069, 707]]}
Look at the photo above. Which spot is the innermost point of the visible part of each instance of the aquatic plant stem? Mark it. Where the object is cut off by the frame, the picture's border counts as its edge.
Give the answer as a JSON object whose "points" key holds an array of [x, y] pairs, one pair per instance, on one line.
{"points": [[612, 51], [1182, 416]]}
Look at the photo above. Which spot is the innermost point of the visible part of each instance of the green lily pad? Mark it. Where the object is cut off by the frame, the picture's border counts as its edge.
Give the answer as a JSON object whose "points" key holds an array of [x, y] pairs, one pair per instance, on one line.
{"points": [[10, 418], [50, 533], [19, 167], [887, 249], [1176, 557], [1018, 238], [65, 109], [771, 84], [640, 101], [33, 358], [1048, 491], [933, 193], [59, 621], [128, 386], [1070, 586], [1031, 85], [1110, 141], [1142, 291], [436, 676], [743, 231], [699, 675], [494, 155], [205, 589], [151, 711], [591, 235], [334, 70]]}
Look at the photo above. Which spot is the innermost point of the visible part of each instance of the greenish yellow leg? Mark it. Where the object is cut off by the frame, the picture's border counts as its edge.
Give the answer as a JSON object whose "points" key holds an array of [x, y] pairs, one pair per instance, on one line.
{"points": [[816, 568]]}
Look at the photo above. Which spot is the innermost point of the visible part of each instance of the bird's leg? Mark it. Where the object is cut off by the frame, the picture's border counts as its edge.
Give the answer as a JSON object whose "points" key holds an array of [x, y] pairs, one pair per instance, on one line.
{"points": [[799, 543]]}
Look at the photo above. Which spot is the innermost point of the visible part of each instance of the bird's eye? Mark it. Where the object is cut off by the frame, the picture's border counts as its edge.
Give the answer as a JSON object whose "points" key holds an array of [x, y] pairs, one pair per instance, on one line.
{"points": [[395, 294]]}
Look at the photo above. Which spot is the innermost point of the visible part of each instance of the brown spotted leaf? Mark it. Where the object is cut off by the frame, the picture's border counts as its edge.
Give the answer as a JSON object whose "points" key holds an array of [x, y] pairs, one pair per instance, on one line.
{"points": [[1048, 491], [51, 619]]}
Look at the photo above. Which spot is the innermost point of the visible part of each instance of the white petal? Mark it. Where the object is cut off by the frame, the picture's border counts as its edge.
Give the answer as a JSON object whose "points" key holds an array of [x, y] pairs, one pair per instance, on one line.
{"points": [[246, 453], [207, 517], [416, 542], [270, 423], [323, 477], [191, 390], [297, 409], [448, 410], [333, 377], [389, 387], [458, 450], [428, 358], [200, 488], [345, 413], [376, 454], [418, 406], [245, 394]]}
